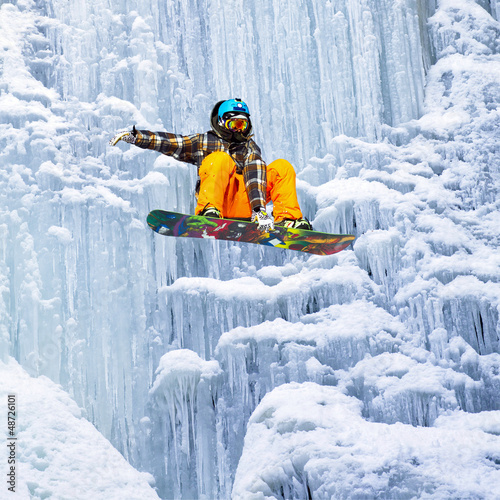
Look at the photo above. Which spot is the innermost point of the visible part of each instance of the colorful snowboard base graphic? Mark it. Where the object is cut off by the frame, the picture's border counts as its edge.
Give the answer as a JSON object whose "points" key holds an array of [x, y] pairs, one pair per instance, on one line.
{"points": [[195, 226]]}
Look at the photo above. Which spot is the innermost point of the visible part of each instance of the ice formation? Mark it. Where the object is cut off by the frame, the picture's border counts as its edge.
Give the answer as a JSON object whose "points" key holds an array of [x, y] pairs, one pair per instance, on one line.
{"points": [[218, 369], [58, 452], [283, 458]]}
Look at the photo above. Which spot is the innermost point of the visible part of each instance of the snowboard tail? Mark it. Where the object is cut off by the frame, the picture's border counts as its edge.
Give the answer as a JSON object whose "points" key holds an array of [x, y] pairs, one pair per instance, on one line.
{"points": [[197, 226]]}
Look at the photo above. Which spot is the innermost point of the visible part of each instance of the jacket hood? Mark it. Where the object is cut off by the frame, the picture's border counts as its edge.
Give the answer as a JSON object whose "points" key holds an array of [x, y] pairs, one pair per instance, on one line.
{"points": [[226, 134]]}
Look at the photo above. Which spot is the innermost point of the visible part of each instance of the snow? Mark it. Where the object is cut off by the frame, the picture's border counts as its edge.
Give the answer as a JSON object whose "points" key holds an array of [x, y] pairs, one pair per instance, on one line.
{"points": [[225, 370], [61, 233], [59, 453], [303, 437], [179, 364]]}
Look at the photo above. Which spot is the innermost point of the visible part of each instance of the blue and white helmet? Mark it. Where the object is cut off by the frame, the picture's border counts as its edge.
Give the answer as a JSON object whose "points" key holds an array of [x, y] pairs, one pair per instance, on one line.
{"points": [[236, 106]]}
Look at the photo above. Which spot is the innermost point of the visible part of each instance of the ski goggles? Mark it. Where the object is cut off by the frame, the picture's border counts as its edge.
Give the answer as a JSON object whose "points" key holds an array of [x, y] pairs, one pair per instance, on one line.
{"points": [[236, 124]]}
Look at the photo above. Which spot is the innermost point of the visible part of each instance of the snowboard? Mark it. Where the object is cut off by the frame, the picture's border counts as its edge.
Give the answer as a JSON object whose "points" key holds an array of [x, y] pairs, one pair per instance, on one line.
{"points": [[197, 226]]}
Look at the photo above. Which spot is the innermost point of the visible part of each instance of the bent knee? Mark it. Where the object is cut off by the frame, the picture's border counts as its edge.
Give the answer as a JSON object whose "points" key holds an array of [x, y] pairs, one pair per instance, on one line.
{"points": [[282, 167]]}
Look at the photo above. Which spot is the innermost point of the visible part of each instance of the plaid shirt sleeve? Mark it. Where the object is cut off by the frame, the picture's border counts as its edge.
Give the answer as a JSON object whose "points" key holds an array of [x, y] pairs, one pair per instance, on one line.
{"points": [[181, 147], [255, 176]]}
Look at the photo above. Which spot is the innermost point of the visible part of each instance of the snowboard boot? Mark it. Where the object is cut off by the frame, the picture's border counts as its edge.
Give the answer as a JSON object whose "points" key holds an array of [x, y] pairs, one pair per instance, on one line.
{"points": [[295, 224], [211, 211]]}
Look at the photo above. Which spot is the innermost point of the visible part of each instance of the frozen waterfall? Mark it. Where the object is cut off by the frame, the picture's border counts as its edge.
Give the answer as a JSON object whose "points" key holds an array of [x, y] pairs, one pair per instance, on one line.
{"points": [[221, 370]]}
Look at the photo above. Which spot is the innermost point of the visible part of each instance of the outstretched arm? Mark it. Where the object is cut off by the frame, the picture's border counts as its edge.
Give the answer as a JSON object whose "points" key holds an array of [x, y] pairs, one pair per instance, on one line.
{"points": [[181, 147]]}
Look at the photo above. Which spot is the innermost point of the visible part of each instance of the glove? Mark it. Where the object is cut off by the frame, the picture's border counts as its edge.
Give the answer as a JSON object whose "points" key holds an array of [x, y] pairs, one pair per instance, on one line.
{"points": [[125, 136], [265, 222]]}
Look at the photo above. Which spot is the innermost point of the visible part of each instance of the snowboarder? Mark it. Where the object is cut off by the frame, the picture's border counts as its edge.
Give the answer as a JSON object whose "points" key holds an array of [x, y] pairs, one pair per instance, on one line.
{"points": [[234, 181]]}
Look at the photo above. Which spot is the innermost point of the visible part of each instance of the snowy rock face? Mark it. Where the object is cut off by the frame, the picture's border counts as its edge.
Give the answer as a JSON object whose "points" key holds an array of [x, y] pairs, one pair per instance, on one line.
{"points": [[231, 370]]}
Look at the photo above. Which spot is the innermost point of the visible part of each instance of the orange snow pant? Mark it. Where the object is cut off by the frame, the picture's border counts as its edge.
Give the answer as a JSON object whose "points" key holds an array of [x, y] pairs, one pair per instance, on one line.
{"points": [[224, 189]]}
